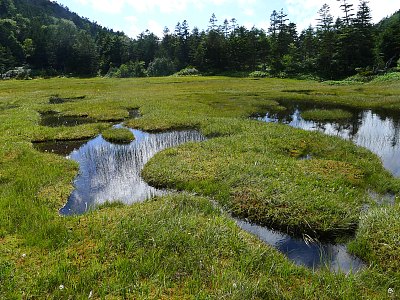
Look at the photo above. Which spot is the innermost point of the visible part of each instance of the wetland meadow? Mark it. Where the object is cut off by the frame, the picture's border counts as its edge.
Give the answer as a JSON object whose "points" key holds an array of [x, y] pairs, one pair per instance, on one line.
{"points": [[199, 188]]}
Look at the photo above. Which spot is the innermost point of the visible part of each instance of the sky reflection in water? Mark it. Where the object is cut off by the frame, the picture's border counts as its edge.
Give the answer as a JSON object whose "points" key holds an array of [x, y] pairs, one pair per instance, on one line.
{"points": [[377, 132], [109, 172]]}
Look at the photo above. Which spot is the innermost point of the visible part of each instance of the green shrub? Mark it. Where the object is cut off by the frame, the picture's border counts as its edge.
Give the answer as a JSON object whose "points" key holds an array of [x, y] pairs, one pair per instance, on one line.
{"points": [[259, 74], [393, 76], [129, 70], [189, 71], [161, 66]]}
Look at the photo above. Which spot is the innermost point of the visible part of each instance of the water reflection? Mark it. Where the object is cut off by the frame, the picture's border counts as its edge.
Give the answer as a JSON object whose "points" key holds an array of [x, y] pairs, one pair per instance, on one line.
{"points": [[63, 148], [376, 131], [310, 254], [109, 172]]}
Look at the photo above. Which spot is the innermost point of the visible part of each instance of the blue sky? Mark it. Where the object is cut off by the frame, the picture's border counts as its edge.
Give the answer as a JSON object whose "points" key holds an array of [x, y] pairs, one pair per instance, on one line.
{"points": [[135, 16]]}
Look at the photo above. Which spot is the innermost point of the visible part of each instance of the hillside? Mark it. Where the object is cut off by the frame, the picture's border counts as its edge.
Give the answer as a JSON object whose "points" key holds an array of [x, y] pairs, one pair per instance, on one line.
{"points": [[389, 38], [50, 38]]}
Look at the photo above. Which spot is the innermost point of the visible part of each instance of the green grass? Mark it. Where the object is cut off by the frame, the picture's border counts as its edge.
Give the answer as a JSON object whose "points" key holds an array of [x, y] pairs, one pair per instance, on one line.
{"points": [[378, 238], [181, 246], [118, 135], [326, 115], [258, 174], [175, 247]]}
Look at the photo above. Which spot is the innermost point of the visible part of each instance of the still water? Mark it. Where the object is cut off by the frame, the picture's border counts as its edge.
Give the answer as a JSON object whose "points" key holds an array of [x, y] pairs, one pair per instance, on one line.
{"points": [[55, 119], [309, 253], [376, 131], [110, 172]]}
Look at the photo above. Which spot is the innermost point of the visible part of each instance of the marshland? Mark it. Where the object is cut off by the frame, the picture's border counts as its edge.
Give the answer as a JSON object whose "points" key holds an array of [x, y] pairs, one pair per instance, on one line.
{"points": [[185, 242], [230, 162]]}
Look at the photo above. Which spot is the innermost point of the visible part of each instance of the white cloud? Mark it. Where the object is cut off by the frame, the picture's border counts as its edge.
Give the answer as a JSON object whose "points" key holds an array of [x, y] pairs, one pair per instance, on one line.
{"points": [[248, 25], [132, 25], [133, 29], [168, 7], [163, 6], [155, 28], [263, 25], [151, 13], [380, 10]]}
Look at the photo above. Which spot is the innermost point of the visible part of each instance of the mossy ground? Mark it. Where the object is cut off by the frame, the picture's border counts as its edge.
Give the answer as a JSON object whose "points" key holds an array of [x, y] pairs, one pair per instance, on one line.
{"points": [[180, 246]]}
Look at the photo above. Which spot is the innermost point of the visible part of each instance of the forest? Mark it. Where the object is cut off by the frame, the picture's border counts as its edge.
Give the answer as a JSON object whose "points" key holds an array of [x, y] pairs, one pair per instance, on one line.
{"points": [[43, 38]]}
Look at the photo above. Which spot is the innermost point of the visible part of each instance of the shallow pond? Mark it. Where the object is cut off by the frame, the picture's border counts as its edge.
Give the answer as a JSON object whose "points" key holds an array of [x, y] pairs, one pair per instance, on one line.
{"points": [[63, 148], [376, 131], [110, 172], [55, 119]]}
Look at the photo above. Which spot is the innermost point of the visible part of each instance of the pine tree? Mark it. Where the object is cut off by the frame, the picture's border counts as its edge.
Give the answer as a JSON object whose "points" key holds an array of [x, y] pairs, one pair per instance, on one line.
{"points": [[388, 41], [213, 23], [273, 29], [226, 28], [233, 25], [327, 39], [364, 37], [348, 11], [325, 22], [308, 50]]}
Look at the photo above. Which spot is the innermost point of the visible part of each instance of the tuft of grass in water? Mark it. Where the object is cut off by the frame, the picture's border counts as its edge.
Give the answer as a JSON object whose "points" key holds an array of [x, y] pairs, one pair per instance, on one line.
{"points": [[326, 115], [118, 135]]}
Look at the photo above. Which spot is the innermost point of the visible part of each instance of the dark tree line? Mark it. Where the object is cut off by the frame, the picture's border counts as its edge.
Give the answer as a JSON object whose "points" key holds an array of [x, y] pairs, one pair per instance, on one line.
{"points": [[52, 40]]}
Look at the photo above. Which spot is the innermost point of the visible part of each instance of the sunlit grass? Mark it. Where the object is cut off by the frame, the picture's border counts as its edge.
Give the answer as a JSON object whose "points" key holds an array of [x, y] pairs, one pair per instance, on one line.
{"points": [[118, 135], [326, 115], [175, 247], [259, 174]]}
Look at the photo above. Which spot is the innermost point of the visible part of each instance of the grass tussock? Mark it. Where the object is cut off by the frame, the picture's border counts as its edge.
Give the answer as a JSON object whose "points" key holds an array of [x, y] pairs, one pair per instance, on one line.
{"points": [[378, 238], [326, 115], [118, 135]]}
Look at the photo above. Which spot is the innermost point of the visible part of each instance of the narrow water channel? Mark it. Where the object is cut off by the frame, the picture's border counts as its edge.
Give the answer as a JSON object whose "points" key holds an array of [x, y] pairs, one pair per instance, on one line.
{"points": [[304, 252]]}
